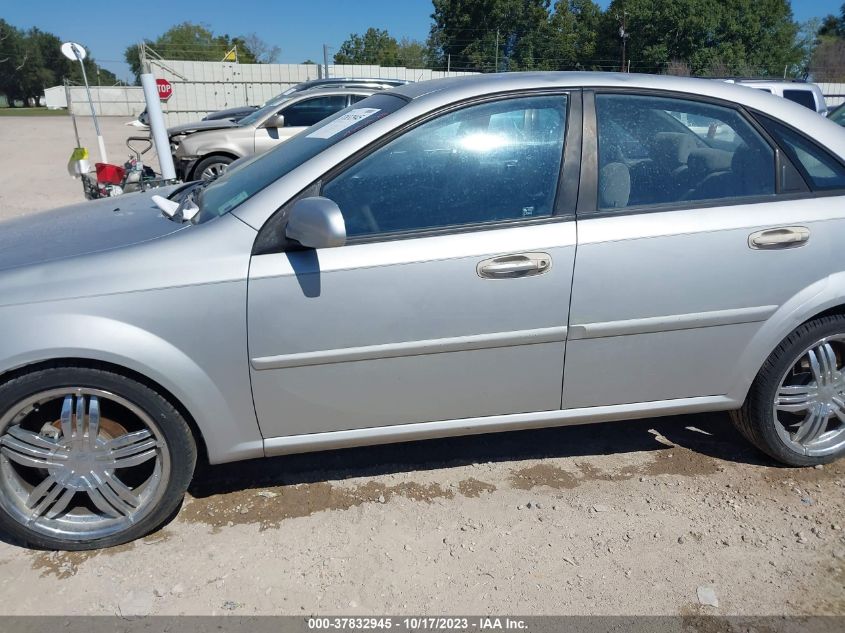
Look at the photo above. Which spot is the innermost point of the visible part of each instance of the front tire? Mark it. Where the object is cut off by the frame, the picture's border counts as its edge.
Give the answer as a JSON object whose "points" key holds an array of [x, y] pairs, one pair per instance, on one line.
{"points": [[795, 410], [212, 167], [88, 458]]}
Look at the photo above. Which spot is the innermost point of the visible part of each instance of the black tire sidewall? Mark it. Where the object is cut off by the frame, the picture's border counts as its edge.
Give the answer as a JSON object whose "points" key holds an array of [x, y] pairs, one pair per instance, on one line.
{"points": [[210, 160], [172, 426], [763, 391]]}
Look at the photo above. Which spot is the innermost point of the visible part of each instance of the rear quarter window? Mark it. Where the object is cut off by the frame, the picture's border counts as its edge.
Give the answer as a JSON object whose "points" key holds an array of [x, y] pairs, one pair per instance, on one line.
{"points": [[821, 170]]}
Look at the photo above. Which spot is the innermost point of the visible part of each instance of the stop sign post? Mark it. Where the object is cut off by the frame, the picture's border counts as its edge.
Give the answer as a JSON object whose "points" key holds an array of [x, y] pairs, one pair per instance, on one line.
{"points": [[165, 89]]}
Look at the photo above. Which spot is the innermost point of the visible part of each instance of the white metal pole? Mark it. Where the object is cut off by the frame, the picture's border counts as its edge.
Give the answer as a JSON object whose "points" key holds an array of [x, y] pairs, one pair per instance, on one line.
{"points": [[103, 156], [158, 129]]}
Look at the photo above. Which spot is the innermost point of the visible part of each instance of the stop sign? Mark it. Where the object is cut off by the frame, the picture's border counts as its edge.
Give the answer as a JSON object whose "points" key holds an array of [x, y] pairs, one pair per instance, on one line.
{"points": [[165, 90]]}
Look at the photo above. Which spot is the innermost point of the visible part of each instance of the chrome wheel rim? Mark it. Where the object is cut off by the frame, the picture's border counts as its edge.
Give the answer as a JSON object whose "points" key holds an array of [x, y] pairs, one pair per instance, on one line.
{"points": [[80, 475], [809, 406], [214, 170]]}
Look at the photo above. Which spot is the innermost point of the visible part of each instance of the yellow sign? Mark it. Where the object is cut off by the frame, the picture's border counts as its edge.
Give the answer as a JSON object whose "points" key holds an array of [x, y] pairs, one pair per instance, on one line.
{"points": [[232, 55]]}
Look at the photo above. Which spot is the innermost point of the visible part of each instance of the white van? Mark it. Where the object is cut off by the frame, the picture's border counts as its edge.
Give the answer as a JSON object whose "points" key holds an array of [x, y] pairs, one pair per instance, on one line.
{"points": [[806, 94]]}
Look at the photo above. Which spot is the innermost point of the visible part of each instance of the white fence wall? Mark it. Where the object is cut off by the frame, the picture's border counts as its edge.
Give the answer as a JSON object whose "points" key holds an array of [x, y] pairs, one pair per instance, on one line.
{"points": [[834, 94], [203, 87], [108, 101]]}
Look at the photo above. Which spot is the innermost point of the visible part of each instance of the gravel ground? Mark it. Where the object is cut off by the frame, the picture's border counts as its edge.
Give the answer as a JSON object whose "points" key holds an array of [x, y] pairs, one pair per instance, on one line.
{"points": [[34, 153], [664, 516]]}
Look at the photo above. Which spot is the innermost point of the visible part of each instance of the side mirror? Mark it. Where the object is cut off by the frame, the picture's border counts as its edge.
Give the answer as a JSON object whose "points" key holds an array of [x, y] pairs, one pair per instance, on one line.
{"points": [[316, 223], [277, 120]]}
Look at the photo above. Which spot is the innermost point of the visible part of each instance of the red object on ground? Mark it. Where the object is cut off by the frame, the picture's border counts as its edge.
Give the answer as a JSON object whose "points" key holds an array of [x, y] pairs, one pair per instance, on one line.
{"points": [[165, 89], [108, 174]]}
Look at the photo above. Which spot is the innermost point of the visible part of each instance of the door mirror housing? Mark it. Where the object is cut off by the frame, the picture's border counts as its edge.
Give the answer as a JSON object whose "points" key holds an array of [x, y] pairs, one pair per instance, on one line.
{"points": [[277, 120], [316, 222]]}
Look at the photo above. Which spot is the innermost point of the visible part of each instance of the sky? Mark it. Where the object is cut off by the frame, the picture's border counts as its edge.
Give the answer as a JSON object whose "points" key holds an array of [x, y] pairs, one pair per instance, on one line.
{"points": [[299, 28]]}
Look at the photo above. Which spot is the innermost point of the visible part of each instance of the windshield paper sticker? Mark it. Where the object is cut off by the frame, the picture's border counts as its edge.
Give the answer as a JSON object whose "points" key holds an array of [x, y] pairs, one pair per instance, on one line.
{"points": [[233, 202], [341, 123]]}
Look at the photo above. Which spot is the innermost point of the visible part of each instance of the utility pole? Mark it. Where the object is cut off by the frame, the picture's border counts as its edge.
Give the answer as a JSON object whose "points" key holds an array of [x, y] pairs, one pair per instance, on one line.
{"points": [[326, 60], [497, 51], [623, 33], [448, 62]]}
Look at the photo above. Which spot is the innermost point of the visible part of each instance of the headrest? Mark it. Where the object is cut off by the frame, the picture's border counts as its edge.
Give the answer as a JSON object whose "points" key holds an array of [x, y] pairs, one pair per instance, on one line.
{"points": [[674, 146], [709, 161], [614, 186], [754, 169]]}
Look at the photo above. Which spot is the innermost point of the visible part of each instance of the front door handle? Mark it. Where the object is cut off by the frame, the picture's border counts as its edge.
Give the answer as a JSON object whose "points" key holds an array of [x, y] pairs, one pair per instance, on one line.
{"points": [[514, 266], [783, 237]]}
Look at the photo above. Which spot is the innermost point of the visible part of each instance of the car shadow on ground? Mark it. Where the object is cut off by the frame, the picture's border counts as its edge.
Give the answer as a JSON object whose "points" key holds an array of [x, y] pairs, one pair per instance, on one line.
{"points": [[711, 435]]}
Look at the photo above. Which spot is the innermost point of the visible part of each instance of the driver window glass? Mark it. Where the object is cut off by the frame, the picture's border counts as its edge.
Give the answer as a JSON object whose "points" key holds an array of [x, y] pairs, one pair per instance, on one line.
{"points": [[485, 163], [655, 150], [311, 111]]}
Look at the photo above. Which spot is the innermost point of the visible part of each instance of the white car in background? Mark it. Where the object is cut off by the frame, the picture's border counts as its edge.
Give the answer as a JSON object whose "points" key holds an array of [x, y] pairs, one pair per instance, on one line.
{"points": [[808, 95]]}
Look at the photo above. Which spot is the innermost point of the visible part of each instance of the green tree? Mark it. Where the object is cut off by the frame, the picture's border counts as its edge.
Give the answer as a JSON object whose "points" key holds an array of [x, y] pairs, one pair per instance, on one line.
{"points": [[833, 26], [468, 31], [567, 41], [375, 46], [413, 54], [711, 36], [197, 42], [827, 58], [31, 61]]}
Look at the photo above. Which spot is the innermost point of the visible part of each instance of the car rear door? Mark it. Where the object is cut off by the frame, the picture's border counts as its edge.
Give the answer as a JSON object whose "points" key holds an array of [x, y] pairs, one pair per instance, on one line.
{"points": [[451, 298], [687, 244]]}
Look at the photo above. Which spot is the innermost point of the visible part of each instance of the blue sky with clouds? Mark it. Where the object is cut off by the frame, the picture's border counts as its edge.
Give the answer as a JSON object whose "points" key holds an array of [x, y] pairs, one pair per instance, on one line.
{"points": [[298, 28]]}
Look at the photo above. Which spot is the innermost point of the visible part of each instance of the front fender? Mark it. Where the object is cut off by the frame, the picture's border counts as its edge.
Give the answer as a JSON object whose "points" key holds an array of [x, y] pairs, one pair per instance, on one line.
{"points": [[221, 405]]}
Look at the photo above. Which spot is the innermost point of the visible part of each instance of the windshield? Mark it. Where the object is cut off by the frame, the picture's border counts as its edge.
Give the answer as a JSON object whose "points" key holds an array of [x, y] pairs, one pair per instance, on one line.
{"points": [[240, 184]]}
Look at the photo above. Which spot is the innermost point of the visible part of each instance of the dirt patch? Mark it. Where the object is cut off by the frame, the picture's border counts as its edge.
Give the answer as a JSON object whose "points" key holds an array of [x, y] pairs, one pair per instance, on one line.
{"points": [[675, 461], [270, 506], [66, 564], [472, 487], [543, 475]]}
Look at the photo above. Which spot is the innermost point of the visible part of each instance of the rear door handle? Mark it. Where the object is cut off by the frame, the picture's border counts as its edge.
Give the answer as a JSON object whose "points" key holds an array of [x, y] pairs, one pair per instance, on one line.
{"points": [[783, 237], [514, 266]]}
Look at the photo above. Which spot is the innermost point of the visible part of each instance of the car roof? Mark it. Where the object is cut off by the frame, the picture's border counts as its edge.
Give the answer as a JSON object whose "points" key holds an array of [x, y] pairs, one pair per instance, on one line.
{"points": [[444, 91], [502, 82], [342, 81], [329, 90]]}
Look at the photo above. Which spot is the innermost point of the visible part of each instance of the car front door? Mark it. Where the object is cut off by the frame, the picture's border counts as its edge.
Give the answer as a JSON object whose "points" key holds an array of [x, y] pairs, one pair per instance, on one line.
{"points": [[451, 298], [691, 245], [298, 116]]}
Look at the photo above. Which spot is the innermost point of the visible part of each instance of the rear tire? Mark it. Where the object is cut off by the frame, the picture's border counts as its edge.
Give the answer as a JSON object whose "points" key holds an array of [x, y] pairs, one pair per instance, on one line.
{"points": [[109, 479], [795, 409]]}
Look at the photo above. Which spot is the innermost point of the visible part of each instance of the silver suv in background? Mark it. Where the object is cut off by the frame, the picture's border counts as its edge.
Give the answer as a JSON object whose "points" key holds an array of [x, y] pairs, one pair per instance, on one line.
{"points": [[236, 114], [205, 149]]}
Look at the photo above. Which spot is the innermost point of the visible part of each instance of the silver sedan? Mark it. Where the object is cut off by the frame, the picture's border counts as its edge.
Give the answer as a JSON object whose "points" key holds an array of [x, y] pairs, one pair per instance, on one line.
{"points": [[453, 257]]}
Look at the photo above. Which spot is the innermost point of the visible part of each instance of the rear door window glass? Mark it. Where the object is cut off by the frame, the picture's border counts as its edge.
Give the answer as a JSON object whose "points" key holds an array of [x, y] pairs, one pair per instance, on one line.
{"points": [[311, 111], [658, 150]]}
